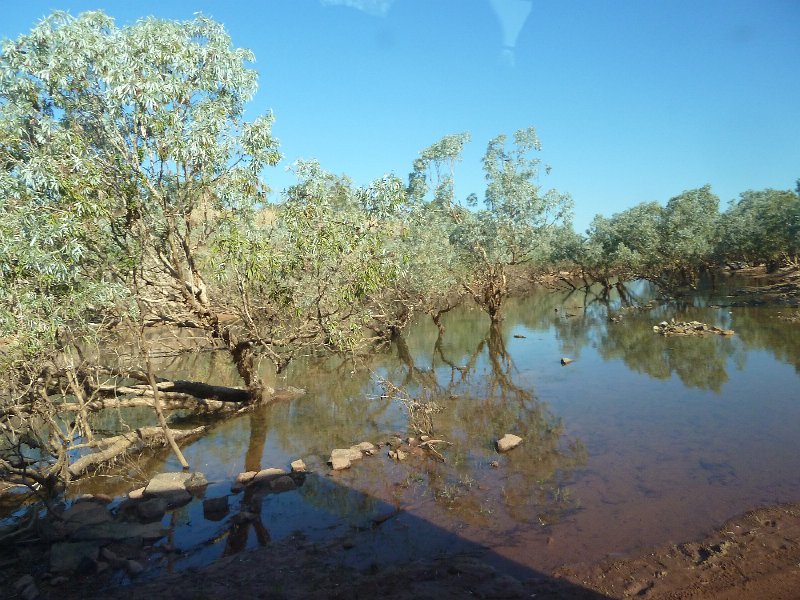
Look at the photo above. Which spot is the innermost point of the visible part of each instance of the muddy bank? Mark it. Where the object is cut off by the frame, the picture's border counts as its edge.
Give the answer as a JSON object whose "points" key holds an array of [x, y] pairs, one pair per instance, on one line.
{"points": [[755, 555]]}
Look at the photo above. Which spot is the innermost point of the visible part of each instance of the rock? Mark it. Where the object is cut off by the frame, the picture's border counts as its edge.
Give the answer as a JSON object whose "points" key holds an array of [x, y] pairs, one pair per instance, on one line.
{"points": [[397, 454], [83, 514], [215, 509], [367, 448], [340, 459], [508, 442], [355, 453], [134, 567], [298, 466], [197, 481], [57, 581], [170, 486], [24, 582], [246, 477], [116, 531], [29, 592], [111, 557], [66, 557], [136, 494], [267, 475], [152, 509], [395, 442], [565, 361], [494, 464], [97, 498], [282, 484]]}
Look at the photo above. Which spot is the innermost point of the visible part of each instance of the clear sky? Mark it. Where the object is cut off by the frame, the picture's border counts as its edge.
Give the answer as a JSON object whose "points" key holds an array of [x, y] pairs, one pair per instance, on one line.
{"points": [[634, 100]]}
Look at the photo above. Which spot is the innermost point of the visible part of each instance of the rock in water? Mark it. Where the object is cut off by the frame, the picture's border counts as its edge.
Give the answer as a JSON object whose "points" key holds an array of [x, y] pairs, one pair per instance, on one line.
{"points": [[565, 361], [298, 466], [508, 442], [340, 459]]}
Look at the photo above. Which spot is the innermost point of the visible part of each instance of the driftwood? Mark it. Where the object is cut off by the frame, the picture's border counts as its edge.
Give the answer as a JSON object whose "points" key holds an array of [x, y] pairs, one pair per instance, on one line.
{"points": [[112, 448]]}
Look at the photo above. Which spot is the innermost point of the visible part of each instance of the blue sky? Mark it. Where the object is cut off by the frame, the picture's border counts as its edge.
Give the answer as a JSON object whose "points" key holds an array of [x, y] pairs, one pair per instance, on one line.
{"points": [[634, 100]]}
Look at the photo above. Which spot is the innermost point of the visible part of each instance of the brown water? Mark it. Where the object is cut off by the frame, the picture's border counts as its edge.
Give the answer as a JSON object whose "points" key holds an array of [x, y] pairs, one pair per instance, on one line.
{"points": [[643, 439]]}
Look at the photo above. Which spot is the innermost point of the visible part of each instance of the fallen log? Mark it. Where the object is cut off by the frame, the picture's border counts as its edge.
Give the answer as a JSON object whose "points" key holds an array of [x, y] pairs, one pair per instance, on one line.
{"points": [[112, 448]]}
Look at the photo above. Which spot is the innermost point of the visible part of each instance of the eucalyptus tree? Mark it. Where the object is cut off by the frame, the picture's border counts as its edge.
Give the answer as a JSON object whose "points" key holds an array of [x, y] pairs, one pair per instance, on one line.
{"points": [[123, 151], [687, 232], [761, 227], [435, 274], [517, 223], [624, 246], [140, 128]]}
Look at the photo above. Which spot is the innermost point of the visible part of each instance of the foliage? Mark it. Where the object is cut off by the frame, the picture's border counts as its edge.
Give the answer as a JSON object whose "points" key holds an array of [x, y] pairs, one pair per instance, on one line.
{"points": [[761, 227], [517, 224]]}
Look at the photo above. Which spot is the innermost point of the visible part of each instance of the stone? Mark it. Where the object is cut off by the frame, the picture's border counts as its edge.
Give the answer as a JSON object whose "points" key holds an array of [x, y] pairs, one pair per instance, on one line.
{"points": [[282, 484], [111, 557], [494, 464], [134, 567], [152, 509], [98, 498], [356, 453], [116, 531], [85, 513], [66, 557], [397, 454], [367, 448], [298, 466], [215, 509], [340, 459], [246, 477], [136, 494], [30, 592], [170, 486], [197, 481], [565, 361], [267, 475], [508, 442], [23, 582]]}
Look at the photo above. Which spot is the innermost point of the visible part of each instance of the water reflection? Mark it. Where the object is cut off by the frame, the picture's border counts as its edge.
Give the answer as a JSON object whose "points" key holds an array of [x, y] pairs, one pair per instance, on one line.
{"points": [[656, 414]]}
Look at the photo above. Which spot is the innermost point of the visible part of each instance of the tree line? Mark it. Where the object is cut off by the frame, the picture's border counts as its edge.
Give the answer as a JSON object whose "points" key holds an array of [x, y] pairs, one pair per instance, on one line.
{"points": [[133, 199]]}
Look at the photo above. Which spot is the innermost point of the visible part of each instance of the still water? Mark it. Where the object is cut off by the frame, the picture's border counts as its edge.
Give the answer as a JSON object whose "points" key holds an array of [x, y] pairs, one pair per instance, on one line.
{"points": [[642, 440]]}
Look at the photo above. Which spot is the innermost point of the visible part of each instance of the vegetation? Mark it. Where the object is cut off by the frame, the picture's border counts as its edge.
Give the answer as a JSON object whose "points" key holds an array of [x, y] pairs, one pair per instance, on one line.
{"points": [[132, 199]]}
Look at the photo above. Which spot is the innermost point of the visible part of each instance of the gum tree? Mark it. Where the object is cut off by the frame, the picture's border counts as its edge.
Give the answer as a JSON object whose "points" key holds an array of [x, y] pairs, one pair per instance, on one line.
{"points": [[122, 150], [518, 221]]}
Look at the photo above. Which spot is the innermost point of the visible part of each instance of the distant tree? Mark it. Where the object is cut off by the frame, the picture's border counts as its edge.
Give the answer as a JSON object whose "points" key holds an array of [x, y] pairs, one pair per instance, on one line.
{"points": [[625, 246], [761, 227], [517, 223], [687, 229], [435, 274]]}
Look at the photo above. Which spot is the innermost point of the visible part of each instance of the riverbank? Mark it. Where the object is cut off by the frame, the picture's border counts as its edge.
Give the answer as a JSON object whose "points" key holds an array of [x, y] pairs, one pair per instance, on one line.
{"points": [[752, 556]]}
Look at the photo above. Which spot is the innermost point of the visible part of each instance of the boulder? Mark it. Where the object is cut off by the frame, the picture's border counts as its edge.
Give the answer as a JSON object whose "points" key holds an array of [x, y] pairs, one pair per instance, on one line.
{"points": [[170, 486], [197, 482], [267, 475], [66, 557], [356, 453], [85, 513], [152, 509], [508, 442], [398, 454], [246, 477], [298, 466], [367, 448], [340, 459], [136, 494]]}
